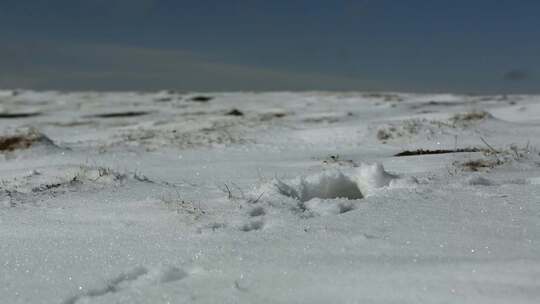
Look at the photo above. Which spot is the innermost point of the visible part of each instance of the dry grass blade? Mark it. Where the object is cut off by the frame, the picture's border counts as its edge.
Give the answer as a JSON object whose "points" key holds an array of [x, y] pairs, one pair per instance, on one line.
{"points": [[425, 152], [489, 146]]}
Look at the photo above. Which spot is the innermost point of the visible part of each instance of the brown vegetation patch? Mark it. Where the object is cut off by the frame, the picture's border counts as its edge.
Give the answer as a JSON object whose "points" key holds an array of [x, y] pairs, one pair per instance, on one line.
{"points": [[11, 143], [22, 139]]}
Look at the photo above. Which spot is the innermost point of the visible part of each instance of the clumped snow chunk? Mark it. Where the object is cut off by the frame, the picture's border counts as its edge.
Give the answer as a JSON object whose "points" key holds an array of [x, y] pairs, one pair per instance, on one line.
{"points": [[329, 206], [333, 191], [325, 185], [334, 184], [370, 177]]}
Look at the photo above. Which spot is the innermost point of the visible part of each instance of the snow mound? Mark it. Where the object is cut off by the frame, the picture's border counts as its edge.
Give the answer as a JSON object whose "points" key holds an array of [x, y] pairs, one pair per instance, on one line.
{"points": [[329, 207], [337, 184], [331, 192], [326, 185], [370, 177]]}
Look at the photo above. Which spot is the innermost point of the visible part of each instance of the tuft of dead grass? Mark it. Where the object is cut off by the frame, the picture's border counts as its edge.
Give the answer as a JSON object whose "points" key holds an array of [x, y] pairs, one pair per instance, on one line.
{"points": [[497, 157], [180, 206], [469, 117], [406, 128], [480, 164]]}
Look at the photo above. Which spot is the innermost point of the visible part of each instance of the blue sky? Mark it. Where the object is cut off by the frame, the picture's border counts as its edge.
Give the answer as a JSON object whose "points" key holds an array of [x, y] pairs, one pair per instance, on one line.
{"points": [[474, 46]]}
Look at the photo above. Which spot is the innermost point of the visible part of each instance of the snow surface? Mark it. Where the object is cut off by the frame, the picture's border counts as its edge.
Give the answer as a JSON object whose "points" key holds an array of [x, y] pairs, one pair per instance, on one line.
{"points": [[163, 198]]}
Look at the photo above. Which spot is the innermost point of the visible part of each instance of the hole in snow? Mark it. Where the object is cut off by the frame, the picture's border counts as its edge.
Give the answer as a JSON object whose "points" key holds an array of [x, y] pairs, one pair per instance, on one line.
{"points": [[327, 185], [334, 192]]}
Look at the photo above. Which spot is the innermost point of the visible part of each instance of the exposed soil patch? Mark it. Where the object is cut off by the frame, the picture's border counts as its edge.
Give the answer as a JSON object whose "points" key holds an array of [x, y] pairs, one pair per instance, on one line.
{"points": [[424, 152], [235, 112], [18, 115], [120, 114], [201, 98]]}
